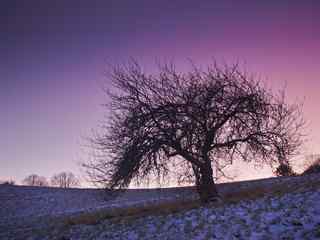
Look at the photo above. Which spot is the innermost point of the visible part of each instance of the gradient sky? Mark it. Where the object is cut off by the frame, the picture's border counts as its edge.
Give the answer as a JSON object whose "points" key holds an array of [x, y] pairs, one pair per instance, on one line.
{"points": [[53, 55]]}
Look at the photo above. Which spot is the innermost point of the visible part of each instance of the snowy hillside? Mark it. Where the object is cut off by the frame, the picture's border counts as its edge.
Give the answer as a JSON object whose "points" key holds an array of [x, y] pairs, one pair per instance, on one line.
{"points": [[275, 208], [292, 216]]}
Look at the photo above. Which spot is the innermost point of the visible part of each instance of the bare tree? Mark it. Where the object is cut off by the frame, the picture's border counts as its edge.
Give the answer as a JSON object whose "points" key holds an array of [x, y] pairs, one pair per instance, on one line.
{"points": [[35, 180], [65, 180], [199, 121]]}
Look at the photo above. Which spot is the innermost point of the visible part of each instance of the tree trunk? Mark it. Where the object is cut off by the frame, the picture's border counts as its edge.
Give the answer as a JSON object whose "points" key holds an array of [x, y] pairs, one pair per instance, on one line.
{"points": [[206, 186]]}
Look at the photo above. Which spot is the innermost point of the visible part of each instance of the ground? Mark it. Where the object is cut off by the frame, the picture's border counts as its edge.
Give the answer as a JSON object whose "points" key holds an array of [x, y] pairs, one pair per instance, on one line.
{"points": [[275, 208]]}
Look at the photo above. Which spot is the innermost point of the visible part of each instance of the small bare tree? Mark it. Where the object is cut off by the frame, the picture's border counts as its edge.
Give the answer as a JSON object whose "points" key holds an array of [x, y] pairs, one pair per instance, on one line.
{"points": [[64, 180], [35, 180], [201, 120]]}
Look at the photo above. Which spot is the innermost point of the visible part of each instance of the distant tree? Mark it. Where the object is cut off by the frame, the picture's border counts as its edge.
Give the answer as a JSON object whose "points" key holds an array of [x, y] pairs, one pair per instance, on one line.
{"points": [[205, 119], [7, 182], [312, 167], [64, 180], [35, 180], [284, 169]]}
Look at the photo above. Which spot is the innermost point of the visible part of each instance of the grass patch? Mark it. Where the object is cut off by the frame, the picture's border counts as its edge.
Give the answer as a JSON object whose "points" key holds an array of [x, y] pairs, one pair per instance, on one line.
{"points": [[129, 213]]}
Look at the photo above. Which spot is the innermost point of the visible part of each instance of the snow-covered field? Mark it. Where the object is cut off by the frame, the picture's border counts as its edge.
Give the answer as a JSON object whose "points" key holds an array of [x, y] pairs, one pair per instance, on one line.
{"points": [[38, 213], [292, 216]]}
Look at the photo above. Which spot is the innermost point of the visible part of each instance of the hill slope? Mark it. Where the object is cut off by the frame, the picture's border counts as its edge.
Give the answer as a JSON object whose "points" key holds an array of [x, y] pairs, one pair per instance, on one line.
{"points": [[292, 216], [261, 209]]}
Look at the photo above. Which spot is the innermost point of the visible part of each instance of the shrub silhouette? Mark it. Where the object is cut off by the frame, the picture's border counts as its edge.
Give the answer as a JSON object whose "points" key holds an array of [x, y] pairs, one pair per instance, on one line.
{"points": [[313, 168], [284, 170]]}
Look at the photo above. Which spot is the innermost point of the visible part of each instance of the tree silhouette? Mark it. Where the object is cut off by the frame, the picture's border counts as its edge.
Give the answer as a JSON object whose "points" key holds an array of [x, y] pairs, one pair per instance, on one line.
{"points": [[35, 180], [64, 180], [206, 119]]}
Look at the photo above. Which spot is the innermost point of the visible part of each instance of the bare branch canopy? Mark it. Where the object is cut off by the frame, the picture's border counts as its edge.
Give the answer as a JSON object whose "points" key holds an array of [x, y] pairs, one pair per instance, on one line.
{"points": [[208, 118]]}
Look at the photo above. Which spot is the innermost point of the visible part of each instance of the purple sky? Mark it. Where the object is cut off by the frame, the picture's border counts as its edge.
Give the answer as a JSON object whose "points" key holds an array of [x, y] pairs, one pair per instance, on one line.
{"points": [[53, 55]]}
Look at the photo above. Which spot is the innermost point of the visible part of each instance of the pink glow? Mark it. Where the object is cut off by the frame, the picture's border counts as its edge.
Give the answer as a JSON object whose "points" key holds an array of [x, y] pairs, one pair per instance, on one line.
{"points": [[53, 62]]}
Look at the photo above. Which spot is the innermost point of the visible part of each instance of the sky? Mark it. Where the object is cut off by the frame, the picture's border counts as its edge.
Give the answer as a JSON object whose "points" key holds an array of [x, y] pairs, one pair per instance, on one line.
{"points": [[54, 54]]}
